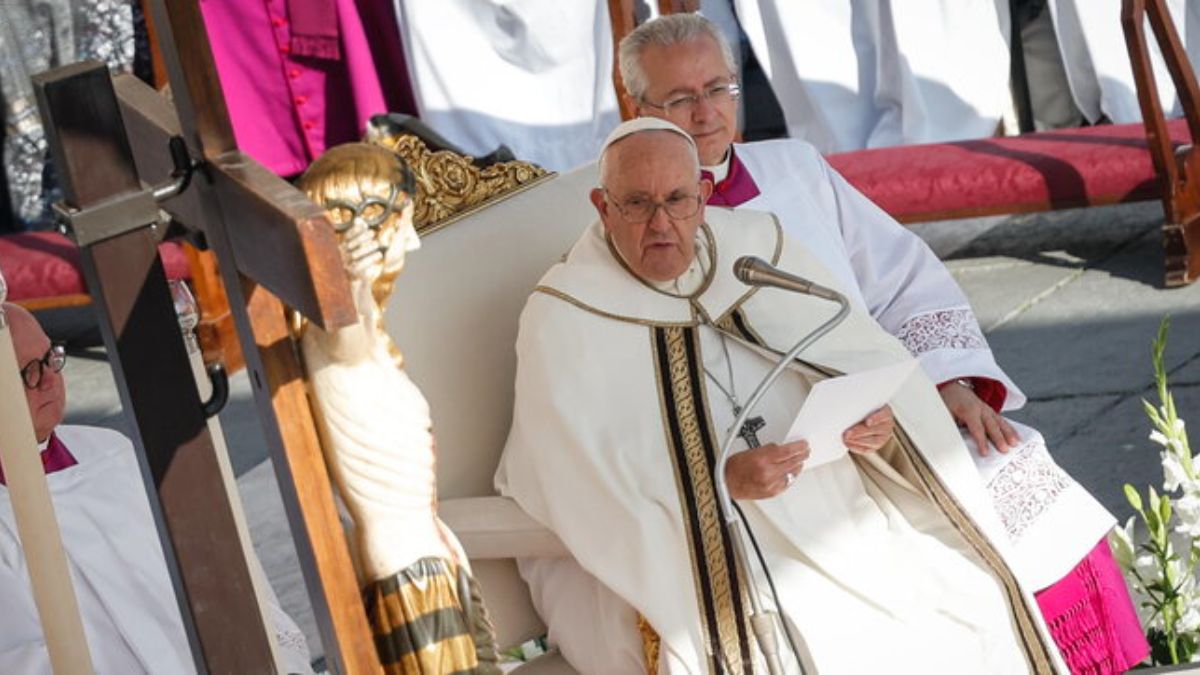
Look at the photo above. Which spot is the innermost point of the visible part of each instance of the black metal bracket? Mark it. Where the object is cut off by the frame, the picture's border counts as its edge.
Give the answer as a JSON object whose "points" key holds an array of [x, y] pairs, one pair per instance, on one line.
{"points": [[130, 211], [220, 390]]}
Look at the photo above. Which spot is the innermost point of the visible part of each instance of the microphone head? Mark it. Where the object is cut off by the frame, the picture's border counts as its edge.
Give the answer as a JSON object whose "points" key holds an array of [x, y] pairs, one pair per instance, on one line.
{"points": [[748, 269]]}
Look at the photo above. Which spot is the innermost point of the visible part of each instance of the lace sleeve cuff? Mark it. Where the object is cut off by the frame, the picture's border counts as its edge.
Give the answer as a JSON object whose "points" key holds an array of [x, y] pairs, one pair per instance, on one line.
{"points": [[942, 329]]}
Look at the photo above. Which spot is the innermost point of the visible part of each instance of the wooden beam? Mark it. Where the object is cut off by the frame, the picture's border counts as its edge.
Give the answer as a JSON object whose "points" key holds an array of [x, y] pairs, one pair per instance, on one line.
{"points": [[677, 6], [237, 194], [304, 480], [279, 237], [270, 356], [188, 495], [55, 302], [623, 20]]}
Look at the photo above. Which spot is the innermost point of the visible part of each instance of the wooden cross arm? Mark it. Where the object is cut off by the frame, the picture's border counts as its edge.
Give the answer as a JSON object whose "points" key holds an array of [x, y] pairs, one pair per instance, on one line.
{"points": [[283, 241], [280, 239]]}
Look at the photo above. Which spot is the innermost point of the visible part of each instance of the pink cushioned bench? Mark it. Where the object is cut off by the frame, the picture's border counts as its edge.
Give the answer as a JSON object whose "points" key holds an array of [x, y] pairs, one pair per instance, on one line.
{"points": [[1016, 174], [42, 269], [1063, 169]]}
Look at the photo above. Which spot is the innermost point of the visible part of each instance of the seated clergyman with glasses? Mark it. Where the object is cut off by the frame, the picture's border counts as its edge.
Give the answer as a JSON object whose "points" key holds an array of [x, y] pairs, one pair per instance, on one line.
{"points": [[126, 600], [636, 355]]}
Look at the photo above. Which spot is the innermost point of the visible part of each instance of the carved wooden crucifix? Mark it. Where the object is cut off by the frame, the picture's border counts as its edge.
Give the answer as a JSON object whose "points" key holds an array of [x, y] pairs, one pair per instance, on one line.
{"points": [[275, 249]]}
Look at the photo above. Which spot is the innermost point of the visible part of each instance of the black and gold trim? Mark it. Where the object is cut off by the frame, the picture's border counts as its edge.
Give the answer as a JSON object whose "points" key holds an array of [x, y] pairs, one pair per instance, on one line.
{"points": [[734, 323], [691, 441]]}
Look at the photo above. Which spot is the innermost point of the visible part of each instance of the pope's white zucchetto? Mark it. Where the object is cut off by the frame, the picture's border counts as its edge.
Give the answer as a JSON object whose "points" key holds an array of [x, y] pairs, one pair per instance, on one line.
{"points": [[640, 124]]}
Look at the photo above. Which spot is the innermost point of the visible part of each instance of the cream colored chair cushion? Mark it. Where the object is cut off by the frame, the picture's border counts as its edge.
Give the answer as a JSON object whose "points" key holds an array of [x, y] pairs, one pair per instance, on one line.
{"points": [[454, 316]]}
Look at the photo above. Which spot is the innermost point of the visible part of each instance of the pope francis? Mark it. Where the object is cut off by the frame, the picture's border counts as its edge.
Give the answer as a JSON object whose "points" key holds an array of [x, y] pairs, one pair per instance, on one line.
{"points": [[635, 354]]}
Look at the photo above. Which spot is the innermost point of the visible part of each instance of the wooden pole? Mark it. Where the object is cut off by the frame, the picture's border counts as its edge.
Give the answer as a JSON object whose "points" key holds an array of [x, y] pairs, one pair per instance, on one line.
{"points": [[623, 20]]}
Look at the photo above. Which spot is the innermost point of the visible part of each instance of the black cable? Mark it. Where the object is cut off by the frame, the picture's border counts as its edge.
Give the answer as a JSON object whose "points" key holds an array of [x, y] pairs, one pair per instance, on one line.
{"points": [[762, 561]]}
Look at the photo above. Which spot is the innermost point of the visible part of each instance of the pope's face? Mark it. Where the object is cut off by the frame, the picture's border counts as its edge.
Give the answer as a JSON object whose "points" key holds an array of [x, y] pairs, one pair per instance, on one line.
{"points": [[48, 400], [691, 69], [652, 171]]}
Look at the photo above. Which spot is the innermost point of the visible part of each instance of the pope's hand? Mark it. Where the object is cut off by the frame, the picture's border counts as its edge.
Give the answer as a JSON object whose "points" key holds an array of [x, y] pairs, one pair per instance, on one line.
{"points": [[872, 433], [361, 253], [980, 420], [765, 471]]}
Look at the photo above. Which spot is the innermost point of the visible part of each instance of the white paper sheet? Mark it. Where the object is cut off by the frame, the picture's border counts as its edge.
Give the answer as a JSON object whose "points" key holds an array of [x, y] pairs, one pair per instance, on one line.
{"points": [[839, 403]]}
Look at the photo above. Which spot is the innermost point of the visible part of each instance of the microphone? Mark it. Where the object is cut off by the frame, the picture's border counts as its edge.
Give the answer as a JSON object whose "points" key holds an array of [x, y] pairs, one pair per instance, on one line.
{"points": [[754, 271]]}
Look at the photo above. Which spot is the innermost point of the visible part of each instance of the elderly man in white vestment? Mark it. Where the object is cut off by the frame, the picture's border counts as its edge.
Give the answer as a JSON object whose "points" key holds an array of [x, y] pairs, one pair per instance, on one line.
{"points": [[130, 615], [679, 68], [632, 357]]}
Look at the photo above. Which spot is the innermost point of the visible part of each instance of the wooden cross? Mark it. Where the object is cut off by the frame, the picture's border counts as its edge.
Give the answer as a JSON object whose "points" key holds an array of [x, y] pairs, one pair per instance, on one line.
{"points": [[274, 248], [750, 429]]}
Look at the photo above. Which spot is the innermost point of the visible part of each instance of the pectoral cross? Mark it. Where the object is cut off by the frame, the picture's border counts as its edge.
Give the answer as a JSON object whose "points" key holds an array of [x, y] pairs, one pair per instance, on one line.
{"points": [[749, 431]]}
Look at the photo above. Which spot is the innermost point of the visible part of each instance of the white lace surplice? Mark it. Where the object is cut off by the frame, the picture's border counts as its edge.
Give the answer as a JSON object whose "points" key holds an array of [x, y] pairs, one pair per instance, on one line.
{"points": [[891, 272], [883, 266]]}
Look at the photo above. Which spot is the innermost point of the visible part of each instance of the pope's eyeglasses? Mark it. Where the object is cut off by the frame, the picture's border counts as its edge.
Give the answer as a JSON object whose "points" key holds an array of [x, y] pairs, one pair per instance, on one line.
{"points": [[639, 209]]}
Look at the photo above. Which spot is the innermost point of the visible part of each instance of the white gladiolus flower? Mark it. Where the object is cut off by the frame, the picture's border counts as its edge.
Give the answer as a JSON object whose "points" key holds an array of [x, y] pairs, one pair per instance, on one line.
{"points": [[1178, 426], [1158, 437], [1187, 510], [1147, 566], [1173, 473]]}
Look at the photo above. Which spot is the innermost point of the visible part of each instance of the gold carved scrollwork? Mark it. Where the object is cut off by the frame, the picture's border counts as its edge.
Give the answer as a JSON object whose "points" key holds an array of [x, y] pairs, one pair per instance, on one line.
{"points": [[450, 185]]}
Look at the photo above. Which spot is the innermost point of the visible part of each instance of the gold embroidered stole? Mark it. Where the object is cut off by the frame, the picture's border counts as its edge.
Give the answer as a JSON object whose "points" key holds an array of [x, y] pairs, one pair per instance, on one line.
{"points": [[693, 448]]}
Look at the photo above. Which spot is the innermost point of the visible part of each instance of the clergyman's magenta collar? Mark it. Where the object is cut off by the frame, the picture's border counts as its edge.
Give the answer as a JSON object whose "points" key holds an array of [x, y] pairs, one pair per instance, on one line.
{"points": [[737, 188]]}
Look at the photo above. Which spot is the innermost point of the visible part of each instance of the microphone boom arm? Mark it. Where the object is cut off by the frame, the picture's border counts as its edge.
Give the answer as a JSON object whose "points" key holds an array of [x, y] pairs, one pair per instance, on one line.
{"points": [[804, 343], [750, 270]]}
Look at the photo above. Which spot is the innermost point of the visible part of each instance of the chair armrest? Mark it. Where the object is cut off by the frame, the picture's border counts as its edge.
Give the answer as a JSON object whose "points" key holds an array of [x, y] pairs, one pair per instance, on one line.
{"points": [[495, 527]]}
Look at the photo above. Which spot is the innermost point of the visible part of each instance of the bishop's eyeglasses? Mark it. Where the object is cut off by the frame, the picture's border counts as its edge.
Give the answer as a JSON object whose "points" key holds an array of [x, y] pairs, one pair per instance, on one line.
{"points": [[639, 209], [54, 359], [685, 104]]}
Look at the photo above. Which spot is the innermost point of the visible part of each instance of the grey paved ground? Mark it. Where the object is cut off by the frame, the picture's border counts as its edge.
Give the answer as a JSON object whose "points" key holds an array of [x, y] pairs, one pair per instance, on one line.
{"points": [[1070, 302]]}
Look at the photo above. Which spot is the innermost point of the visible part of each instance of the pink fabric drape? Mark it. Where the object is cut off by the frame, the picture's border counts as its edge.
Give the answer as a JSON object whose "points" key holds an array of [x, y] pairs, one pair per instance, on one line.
{"points": [[288, 107], [1092, 618]]}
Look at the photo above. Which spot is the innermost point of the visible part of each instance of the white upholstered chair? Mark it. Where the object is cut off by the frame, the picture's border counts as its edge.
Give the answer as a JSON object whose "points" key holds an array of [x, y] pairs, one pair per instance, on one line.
{"points": [[454, 316]]}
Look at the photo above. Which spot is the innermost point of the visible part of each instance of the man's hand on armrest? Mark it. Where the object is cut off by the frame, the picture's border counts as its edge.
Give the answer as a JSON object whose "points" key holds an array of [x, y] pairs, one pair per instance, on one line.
{"points": [[981, 421]]}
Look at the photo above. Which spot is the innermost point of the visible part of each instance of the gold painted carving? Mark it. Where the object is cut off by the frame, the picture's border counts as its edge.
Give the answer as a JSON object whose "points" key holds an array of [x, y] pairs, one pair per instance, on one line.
{"points": [[450, 185]]}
